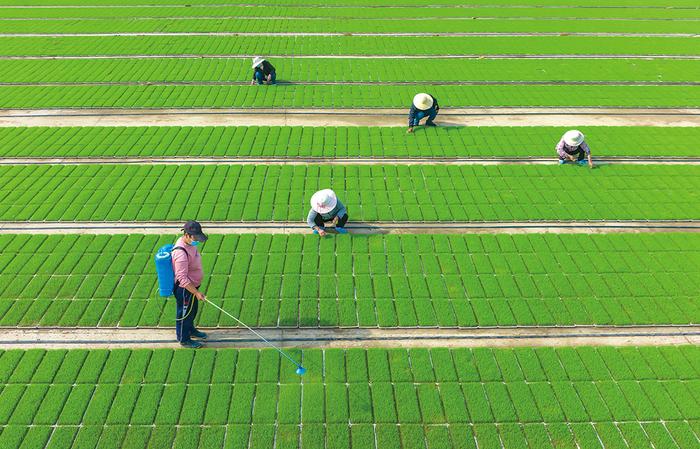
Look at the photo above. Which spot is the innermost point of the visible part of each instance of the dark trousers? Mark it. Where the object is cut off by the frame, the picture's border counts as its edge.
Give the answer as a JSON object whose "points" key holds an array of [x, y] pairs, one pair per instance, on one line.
{"points": [[186, 307], [578, 152], [260, 77], [318, 220]]}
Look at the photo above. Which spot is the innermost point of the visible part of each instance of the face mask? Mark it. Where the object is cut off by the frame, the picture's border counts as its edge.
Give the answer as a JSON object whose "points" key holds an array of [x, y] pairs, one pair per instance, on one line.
{"points": [[195, 243]]}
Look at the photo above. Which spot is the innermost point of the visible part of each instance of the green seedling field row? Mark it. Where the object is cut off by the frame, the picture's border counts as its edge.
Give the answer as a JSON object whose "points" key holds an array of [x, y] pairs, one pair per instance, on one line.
{"points": [[668, 434], [525, 12], [344, 96], [377, 398], [335, 142], [441, 3], [376, 193], [345, 45], [344, 70], [396, 386], [341, 25], [642, 365], [385, 281]]}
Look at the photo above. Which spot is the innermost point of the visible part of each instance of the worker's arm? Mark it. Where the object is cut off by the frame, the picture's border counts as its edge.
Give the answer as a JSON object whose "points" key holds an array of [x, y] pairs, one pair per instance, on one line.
{"points": [[587, 150], [342, 210], [435, 104], [411, 118], [563, 154], [181, 267], [197, 294], [310, 219]]}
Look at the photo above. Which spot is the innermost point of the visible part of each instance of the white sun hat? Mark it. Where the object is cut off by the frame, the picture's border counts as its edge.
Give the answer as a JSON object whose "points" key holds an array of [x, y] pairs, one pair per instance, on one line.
{"points": [[257, 61], [324, 201], [573, 138], [423, 101]]}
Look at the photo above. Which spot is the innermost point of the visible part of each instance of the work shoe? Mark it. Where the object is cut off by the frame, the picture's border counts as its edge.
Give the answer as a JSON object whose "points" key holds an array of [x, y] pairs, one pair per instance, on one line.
{"points": [[582, 162], [430, 124], [199, 334], [562, 162], [191, 344], [341, 230]]}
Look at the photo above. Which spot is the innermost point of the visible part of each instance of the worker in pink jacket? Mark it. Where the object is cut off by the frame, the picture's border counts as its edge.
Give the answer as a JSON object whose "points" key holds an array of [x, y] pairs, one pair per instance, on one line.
{"points": [[187, 264]]}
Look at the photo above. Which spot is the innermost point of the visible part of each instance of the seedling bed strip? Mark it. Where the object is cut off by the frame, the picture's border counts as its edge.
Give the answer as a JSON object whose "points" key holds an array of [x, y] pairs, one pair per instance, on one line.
{"points": [[375, 281]]}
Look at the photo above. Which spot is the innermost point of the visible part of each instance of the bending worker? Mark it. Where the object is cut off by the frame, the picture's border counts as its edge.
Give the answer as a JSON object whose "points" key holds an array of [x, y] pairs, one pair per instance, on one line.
{"points": [[424, 105], [326, 207], [263, 72], [572, 148], [187, 264]]}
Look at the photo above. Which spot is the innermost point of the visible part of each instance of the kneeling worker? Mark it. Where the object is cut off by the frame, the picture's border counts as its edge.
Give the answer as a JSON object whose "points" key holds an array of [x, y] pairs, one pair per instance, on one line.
{"points": [[326, 207], [424, 105], [572, 148], [187, 264], [263, 72]]}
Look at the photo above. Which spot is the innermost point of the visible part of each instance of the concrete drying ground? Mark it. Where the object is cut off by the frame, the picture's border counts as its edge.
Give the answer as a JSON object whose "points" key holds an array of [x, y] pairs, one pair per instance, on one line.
{"points": [[350, 117], [71, 338], [281, 227]]}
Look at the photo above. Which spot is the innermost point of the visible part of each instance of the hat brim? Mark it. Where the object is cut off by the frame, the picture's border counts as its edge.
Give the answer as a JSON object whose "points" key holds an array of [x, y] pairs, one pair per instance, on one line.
{"points": [[200, 237], [323, 210], [424, 105], [327, 208]]}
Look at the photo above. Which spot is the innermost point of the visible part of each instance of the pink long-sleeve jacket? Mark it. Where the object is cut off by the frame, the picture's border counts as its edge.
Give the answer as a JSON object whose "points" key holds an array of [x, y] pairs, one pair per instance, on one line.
{"points": [[187, 265]]}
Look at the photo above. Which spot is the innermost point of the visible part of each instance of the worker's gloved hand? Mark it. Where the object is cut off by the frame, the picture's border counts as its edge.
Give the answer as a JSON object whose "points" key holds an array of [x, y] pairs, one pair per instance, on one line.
{"points": [[335, 220], [410, 130], [321, 232], [200, 296]]}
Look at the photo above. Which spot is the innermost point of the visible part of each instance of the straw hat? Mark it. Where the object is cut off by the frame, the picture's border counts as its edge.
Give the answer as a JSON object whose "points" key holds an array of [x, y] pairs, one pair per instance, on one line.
{"points": [[423, 101], [573, 138], [324, 201], [257, 61]]}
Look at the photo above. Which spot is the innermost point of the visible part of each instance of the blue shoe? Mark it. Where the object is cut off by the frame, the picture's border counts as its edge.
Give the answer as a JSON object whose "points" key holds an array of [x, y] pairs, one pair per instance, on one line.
{"points": [[199, 334], [341, 230], [562, 162], [315, 232], [582, 162]]}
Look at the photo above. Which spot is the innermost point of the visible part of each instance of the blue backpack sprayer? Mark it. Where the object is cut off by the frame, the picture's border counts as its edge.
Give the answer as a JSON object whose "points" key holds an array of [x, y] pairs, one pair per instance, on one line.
{"points": [[166, 285]]}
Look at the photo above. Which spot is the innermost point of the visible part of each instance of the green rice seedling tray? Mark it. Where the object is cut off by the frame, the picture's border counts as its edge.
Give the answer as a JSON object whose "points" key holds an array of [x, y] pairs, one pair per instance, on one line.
{"points": [[267, 402], [338, 142], [423, 280]]}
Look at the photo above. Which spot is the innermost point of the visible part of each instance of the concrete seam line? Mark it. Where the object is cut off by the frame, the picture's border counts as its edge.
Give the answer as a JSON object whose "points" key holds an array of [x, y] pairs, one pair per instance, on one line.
{"points": [[352, 18], [354, 83], [362, 228], [313, 337], [350, 34], [327, 6], [506, 328], [353, 56], [234, 160], [390, 117]]}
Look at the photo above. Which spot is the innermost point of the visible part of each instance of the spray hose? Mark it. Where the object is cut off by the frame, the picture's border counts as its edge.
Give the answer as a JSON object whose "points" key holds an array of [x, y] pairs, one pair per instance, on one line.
{"points": [[300, 369]]}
